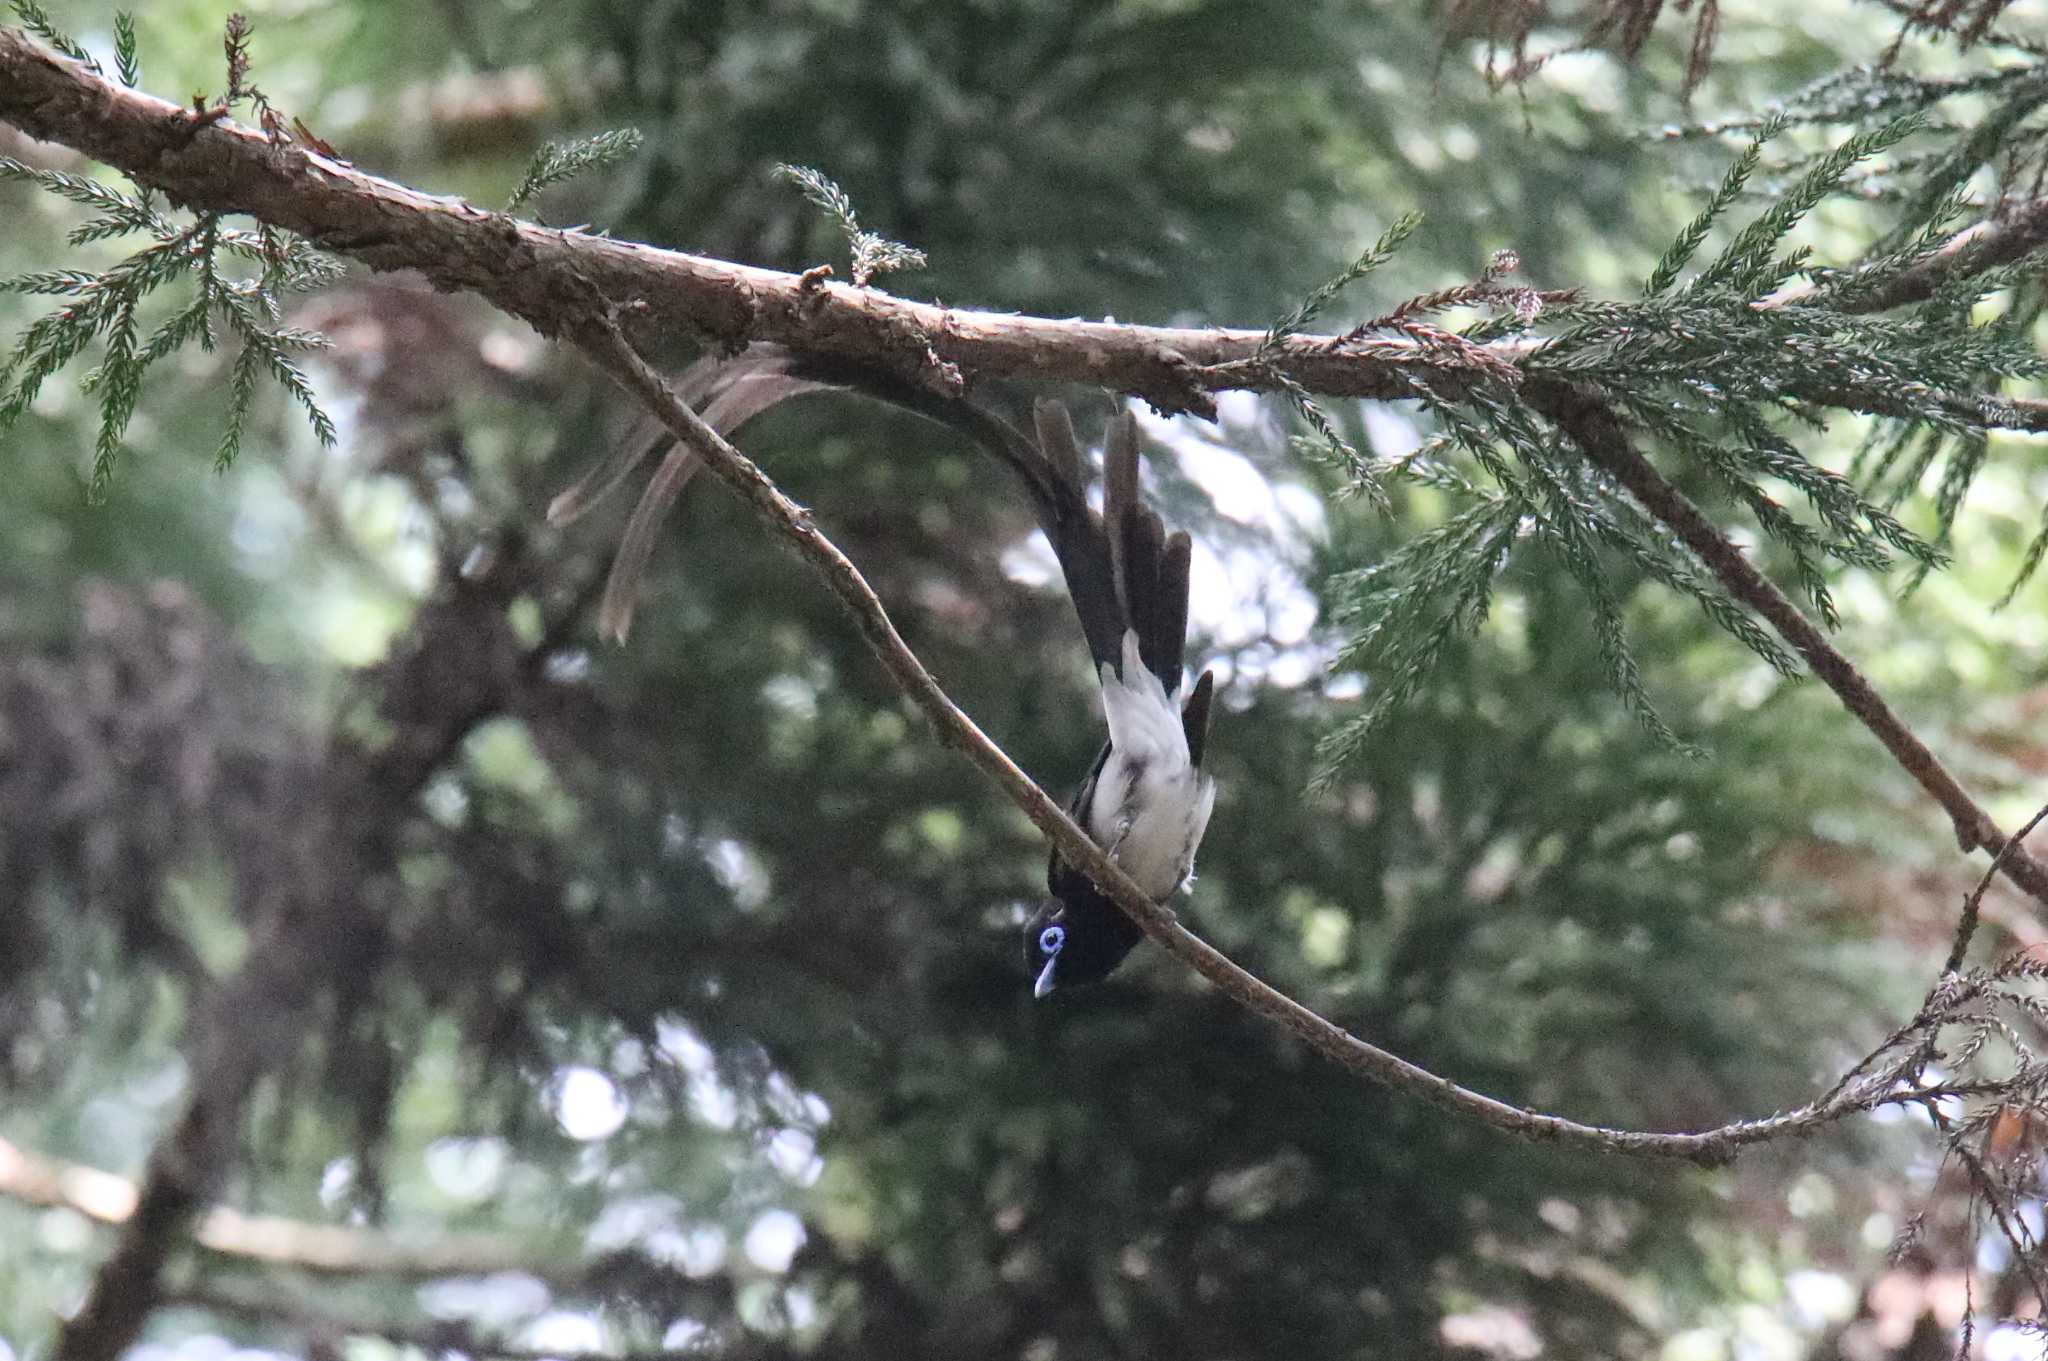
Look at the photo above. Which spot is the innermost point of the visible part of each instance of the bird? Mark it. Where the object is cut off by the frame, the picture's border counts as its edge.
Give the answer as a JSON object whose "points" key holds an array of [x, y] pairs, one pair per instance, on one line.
{"points": [[1146, 799]]}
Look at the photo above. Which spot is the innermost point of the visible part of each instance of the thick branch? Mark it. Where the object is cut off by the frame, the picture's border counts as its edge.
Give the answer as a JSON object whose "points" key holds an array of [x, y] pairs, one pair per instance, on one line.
{"points": [[556, 280], [1594, 427], [552, 279], [606, 344]]}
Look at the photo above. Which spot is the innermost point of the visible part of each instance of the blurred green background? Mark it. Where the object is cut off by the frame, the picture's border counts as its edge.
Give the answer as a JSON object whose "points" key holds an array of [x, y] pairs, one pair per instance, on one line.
{"points": [[692, 965]]}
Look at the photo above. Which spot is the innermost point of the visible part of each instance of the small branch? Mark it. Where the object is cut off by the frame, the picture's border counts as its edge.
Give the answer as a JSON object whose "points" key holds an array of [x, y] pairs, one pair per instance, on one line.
{"points": [[606, 344], [263, 1239], [1966, 924], [1999, 412], [558, 280], [2018, 230], [1599, 434]]}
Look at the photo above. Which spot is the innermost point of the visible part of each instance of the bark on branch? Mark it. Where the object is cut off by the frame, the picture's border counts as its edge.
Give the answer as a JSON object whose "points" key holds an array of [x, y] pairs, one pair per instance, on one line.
{"points": [[553, 279], [2019, 229], [557, 280], [602, 292]]}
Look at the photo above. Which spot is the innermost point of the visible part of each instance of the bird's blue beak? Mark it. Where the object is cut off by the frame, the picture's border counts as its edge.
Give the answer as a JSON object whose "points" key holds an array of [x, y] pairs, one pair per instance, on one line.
{"points": [[1044, 983]]}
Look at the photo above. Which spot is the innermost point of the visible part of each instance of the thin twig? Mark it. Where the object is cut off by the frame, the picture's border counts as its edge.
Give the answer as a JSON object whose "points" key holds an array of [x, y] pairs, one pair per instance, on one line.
{"points": [[1966, 926], [2018, 230], [2011, 1226], [608, 347], [555, 280]]}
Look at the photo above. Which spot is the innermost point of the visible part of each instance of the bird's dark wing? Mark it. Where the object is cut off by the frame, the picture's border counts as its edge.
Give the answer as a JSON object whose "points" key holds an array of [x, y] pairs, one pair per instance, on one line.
{"points": [[1058, 874]]}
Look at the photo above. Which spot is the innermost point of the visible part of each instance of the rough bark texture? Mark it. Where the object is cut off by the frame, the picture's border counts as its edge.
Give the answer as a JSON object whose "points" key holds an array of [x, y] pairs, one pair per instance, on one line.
{"points": [[554, 279]]}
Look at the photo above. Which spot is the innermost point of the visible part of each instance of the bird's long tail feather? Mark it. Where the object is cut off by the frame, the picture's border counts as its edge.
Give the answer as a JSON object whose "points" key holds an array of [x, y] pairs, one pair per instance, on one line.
{"points": [[1122, 569]]}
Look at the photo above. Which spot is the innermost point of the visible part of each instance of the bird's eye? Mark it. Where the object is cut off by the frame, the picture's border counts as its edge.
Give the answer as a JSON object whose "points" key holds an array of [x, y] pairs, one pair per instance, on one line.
{"points": [[1051, 939]]}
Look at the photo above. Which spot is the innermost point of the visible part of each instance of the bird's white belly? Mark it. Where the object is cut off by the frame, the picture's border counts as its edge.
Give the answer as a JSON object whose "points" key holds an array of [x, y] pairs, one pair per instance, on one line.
{"points": [[1149, 815], [1150, 803]]}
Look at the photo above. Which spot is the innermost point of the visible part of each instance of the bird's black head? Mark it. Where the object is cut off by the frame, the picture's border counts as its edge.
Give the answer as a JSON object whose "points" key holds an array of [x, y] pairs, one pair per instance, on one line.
{"points": [[1080, 940]]}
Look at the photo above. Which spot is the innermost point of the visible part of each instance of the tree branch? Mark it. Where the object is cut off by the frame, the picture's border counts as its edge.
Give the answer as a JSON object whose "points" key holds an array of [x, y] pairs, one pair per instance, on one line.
{"points": [[264, 1239], [2017, 230], [438, 1338], [1598, 432], [559, 281], [1966, 922], [553, 279], [606, 344]]}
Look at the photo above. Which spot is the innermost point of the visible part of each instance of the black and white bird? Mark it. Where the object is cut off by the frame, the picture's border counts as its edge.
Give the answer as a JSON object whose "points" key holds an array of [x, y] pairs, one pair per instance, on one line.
{"points": [[1146, 801]]}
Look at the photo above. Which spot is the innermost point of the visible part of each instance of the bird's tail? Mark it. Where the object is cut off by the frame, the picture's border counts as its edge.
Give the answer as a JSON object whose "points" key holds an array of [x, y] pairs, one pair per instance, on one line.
{"points": [[1152, 575], [1122, 569]]}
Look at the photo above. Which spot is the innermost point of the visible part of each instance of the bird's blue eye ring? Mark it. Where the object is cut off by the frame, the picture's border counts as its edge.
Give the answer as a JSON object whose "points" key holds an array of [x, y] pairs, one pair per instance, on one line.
{"points": [[1051, 939]]}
